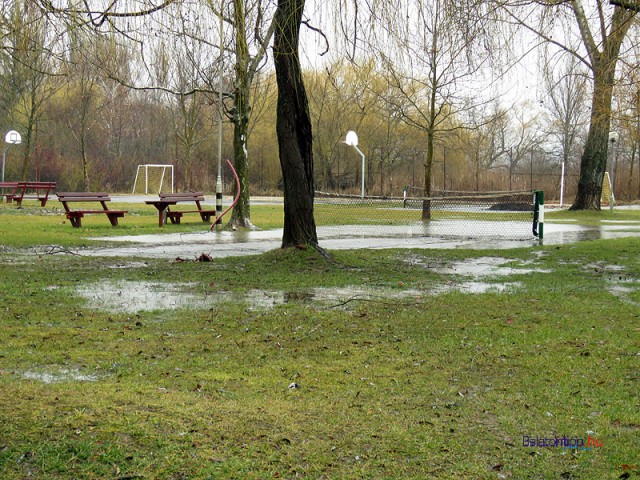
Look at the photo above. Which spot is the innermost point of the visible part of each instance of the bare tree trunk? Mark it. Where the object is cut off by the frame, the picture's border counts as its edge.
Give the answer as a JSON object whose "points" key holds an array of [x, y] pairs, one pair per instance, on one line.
{"points": [[426, 204], [31, 121], [293, 126], [85, 160], [603, 66], [241, 215], [594, 158]]}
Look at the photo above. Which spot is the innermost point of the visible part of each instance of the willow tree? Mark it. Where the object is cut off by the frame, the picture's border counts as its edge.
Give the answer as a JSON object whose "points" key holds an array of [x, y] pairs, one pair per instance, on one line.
{"points": [[247, 66], [28, 61], [602, 27], [430, 54]]}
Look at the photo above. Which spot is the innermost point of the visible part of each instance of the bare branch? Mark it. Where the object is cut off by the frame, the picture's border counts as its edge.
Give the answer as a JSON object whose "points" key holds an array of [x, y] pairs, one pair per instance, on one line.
{"points": [[633, 6], [98, 17], [321, 33]]}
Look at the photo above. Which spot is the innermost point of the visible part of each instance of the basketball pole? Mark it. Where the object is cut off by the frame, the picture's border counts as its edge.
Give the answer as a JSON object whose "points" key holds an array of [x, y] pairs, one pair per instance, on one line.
{"points": [[363, 158], [613, 138], [352, 141]]}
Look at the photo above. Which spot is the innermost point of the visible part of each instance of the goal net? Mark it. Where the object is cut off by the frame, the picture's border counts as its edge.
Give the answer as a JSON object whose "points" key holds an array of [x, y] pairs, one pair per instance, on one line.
{"points": [[152, 179], [607, 197]]}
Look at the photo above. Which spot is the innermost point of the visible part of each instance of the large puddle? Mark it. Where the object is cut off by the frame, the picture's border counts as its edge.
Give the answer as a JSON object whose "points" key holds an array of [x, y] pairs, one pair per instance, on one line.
{"points": [[132, 297], [487, 267], [472, 276], [239, 243]]}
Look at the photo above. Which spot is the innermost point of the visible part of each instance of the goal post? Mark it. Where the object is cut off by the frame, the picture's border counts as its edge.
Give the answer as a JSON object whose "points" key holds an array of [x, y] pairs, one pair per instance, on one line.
{"points": [[153, 178], [607, 196]]}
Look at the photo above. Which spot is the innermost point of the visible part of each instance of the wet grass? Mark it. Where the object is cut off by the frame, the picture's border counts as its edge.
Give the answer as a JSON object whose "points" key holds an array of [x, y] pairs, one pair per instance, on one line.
{"points": [[425, 386], [36, 226], [592, 217]]}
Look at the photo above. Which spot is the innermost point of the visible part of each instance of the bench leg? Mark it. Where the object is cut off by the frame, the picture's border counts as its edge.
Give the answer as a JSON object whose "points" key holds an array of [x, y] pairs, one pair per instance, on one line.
{"points": [[206, 217], [76, 221], [174, 219], [113, 219]]}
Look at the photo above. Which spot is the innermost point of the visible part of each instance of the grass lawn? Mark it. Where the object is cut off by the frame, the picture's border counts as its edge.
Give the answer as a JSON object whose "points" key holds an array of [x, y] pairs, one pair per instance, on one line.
{"points": [[377, 364]]}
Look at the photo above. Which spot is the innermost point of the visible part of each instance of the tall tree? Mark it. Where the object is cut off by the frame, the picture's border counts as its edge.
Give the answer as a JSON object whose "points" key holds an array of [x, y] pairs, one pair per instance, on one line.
{"points": [[293, 126], [487, 143], [602, 29], [602, 58], [426, 56], [566, 106], [247, 66], [85, 97], [31, 63]]}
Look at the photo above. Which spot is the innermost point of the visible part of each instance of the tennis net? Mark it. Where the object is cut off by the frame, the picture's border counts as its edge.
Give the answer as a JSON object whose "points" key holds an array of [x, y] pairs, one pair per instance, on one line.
{"points": [[503, 215]]}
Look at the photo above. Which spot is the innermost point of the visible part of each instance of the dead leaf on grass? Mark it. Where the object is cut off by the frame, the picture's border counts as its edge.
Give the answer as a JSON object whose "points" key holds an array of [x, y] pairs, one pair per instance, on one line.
{"points": [[205, 258]]}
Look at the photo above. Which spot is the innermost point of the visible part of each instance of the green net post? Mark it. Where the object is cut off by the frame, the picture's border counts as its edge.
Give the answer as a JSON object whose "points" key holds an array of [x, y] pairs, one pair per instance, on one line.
{"points": [[538, 214]]}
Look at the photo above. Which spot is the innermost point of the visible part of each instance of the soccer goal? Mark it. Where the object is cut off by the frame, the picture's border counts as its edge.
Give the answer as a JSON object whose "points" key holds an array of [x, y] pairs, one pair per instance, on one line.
{"points": [[153, 179], [607, 197]]}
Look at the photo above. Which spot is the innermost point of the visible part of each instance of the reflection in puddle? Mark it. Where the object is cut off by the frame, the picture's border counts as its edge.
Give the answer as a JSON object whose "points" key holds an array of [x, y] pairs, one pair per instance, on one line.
{"points": [[480, 287], [63, 375], [623, 293], [485, 266], [479, 267], [133, 297]]}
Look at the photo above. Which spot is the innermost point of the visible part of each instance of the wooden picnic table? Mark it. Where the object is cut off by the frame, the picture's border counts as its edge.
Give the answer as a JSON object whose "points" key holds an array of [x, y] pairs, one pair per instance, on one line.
{"points": [[166, 200], [8, 190], [75, 215], [31, 191]]}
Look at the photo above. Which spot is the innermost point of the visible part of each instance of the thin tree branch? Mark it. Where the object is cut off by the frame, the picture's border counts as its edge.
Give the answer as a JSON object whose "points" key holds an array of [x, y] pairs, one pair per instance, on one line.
{"points": [[633, 6]]}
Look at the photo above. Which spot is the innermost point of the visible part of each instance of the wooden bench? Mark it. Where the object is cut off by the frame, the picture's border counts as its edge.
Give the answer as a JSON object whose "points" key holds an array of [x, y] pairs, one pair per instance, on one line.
{"points": [[75, 216], [8, 190], [166, 200], [32, 191]]}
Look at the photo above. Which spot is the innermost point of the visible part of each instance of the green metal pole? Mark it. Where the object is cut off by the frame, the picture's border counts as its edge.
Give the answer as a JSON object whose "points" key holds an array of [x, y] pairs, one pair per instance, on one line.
{"points": [[541, 215]]}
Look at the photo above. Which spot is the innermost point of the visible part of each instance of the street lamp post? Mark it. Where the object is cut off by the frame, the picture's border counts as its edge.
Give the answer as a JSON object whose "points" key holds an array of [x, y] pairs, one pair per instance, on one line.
{"points": [[11, 138], [218, 221], [352, 141], [562, 184], [613, 138]]}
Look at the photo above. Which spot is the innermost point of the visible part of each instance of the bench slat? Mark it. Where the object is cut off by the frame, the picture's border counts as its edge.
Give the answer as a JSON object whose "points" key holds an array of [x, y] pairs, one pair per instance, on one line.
{"points": [[84, 199], [183, 199]]}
